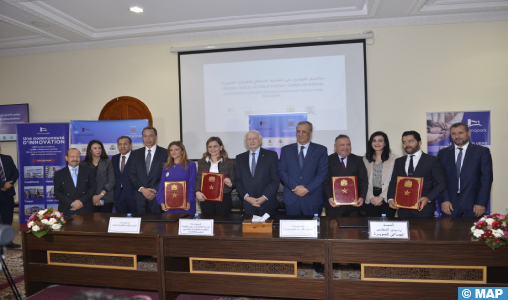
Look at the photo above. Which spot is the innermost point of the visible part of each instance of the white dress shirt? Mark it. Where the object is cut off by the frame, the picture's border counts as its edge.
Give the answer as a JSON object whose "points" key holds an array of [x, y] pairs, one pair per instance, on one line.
{"points": [[306, 147], [154, 148]]}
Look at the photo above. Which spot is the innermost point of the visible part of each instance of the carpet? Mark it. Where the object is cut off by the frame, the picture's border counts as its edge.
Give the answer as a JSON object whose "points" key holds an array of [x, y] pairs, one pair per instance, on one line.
{"points": [[14, 262]]}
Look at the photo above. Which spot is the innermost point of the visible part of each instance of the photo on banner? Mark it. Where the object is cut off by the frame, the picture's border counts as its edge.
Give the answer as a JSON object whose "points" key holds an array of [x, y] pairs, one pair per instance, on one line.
{"points": [[41, 152], [438, 133], [277, 130], [82, 132]]}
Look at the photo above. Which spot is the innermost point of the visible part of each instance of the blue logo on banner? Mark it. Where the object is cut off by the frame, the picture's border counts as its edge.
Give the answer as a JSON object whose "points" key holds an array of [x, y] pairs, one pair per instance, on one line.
{"points": [[482, 293]]}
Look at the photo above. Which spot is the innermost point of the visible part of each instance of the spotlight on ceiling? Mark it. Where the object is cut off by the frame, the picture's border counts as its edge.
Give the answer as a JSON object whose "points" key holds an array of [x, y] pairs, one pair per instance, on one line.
{"points": [[136, 9]]}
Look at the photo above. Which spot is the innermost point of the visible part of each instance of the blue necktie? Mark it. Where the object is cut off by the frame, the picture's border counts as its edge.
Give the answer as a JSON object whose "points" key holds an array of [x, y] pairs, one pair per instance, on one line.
{"points": [[301, 158], [75, 177], [458, 165], [253, 164]]}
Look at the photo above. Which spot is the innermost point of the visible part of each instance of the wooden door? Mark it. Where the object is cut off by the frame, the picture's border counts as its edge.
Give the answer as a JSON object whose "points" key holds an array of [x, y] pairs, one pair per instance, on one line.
{"points": [[126, 108]]}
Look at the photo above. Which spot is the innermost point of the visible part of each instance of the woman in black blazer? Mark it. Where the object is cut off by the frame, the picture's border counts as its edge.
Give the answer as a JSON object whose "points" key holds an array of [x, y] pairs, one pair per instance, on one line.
{"points": [[97, 159]]}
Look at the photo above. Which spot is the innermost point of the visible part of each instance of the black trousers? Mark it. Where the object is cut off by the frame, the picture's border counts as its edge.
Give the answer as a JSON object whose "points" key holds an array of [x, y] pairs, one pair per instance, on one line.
{"points": [[217, 208], [106, 208], [6, 209], [376, 211]]}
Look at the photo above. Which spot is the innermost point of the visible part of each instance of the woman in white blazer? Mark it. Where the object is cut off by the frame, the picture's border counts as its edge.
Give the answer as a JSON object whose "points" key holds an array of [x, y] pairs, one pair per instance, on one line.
{"points": [[379, 162]]}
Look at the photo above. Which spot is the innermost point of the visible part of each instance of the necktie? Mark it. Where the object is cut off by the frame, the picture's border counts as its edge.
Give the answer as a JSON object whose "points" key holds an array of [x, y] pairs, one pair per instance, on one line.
{"points": [[148, 161], [253, 164], [458, 165], [122, 166], [75, 177], [301, 158], [2, 173], [411, 168], [343, 165]]}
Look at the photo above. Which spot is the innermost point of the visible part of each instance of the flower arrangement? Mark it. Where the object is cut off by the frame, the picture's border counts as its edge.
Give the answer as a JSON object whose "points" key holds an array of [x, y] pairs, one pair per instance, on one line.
{"points": [[492, 229], [44, 221]]}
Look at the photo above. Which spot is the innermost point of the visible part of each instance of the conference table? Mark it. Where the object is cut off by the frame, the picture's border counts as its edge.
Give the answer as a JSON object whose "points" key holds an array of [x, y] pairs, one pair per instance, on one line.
{"points": [[438, 257]]}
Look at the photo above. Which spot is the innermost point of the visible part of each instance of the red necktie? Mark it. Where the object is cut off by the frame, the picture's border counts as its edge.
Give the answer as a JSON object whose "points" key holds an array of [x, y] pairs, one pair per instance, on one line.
{"points": [[343, 165], [123, 164]]}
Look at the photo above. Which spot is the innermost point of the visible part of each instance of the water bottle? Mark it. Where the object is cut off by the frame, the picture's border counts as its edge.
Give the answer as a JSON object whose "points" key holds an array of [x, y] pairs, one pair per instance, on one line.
{"points": [[383, 217], [316, 217], [129, 215], [196, 216]]}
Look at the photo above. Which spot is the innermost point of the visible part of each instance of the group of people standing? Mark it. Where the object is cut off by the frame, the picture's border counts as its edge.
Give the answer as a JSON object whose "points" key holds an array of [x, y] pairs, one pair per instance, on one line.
{"points": [[133, 181]]}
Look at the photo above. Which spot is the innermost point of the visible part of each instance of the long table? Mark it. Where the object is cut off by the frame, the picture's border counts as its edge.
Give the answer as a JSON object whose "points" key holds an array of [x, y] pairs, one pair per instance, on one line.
{"points": [[261, 265]]}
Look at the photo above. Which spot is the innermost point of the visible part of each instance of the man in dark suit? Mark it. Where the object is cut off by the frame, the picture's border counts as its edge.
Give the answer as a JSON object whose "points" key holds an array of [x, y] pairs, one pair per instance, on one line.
{"points": [[8, 176], [418, 164], [256, 177], [302, 168], [344, 163], [125, 202], [146, 171], [468, 170], [74, 185]]}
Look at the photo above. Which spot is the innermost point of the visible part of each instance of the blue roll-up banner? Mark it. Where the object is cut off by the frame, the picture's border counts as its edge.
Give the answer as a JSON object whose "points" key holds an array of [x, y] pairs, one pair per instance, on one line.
{"points": [[438, 133], [41, 152], [82, 132], [277, 130]]}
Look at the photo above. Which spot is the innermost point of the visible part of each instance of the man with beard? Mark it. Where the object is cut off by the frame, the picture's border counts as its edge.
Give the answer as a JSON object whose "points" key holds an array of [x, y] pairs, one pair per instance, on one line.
{"points": [[418, 164], [468, 170]]}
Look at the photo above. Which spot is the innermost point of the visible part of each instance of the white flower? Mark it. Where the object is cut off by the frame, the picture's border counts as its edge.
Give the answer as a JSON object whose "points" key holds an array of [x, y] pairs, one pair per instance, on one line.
{"points": [[57, 214], [483, 218], [56, 226], [42, 212], [36, 228], [30, 224], [477, 233], [473, 228], [489, 221], [44, 221], [52, 221], [497, 233]]}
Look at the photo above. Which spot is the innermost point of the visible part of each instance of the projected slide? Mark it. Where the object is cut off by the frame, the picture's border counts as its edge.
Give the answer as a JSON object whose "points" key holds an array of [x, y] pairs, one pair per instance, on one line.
{"points": [[315, 85]]}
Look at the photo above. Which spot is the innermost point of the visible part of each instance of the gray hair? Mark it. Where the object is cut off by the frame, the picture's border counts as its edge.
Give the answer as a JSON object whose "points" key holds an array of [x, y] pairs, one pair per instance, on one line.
{"points": [[305, 123], [341, 136], [255, 131]]}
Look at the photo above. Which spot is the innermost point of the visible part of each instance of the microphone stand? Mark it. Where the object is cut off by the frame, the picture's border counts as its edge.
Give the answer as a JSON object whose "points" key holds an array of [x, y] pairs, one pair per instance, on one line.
{"points": [[8, 275]]}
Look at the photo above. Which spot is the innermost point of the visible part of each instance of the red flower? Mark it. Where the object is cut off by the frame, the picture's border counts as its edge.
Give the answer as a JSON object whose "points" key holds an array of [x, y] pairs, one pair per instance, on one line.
{"points": [[46, 217]]}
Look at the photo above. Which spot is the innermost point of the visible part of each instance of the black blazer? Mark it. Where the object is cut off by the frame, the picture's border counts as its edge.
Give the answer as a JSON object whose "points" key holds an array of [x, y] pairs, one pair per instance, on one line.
{"points": [[11, 174], [122, 180], [265, 181], [140, 178], [66, 192], [104, 178], [355, 167], [429, 167]]}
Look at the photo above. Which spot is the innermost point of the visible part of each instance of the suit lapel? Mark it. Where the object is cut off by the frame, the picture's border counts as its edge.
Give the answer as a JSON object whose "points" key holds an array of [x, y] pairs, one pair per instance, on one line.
{"points": [[261, 159], [307, 156], [350, 162], [469, 155], [402, 166]]}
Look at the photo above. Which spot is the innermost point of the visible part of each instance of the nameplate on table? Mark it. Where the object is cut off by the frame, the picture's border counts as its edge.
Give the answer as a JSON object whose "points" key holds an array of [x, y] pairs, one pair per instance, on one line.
{"points": [[124, 225], [389, 230], [195, 227], [298, 228]]}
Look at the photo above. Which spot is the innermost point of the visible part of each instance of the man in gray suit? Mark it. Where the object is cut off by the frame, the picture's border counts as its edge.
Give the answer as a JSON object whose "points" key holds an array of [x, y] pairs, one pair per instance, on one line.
{"points": [[146, 171]]}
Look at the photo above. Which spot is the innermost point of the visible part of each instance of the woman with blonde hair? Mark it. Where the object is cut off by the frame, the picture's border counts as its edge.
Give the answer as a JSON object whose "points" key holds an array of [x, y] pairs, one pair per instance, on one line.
{"points": [[178, 168]]}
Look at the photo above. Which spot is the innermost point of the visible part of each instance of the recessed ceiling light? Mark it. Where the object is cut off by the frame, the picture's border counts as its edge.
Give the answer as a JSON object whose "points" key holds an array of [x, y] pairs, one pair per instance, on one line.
{"points": [[40, 24], [210, 47], [136, 9]]}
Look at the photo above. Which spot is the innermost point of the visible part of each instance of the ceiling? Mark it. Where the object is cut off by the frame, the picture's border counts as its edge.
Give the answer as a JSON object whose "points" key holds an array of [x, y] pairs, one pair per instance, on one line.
{"points": [[87, 24]]}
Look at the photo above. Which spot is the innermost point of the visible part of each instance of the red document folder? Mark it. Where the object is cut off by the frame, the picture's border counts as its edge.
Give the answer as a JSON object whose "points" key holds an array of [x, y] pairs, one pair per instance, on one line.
{"points": [[345, 190], [175, 194], [408, 192], [212, 186]]}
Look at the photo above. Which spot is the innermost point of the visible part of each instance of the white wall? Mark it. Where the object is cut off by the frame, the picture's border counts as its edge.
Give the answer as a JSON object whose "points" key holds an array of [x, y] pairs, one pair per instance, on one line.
{"points": [[411, 70]]}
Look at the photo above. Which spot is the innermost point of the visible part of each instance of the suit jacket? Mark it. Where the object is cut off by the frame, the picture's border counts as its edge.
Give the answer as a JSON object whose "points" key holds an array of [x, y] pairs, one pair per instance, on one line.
{"points": [[429, 167], [226, 166], [104, 178], [311, 176], [265, 181], [66, 192], [122, 180], [387, 176], [475, 176], [354, 167], [11, 174], [140, 178]]}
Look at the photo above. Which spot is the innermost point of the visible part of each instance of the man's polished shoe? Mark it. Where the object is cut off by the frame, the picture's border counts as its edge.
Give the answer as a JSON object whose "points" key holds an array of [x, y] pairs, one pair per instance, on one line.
{"points": [[11, 245]]}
